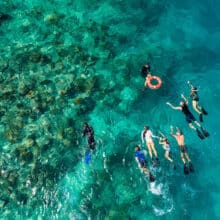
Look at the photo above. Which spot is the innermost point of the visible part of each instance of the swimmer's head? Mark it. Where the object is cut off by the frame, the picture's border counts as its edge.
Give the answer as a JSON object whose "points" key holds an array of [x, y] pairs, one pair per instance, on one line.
{"points": [[146, 127], [178, 131], [85, 124], [137, 148], [182, 103]]}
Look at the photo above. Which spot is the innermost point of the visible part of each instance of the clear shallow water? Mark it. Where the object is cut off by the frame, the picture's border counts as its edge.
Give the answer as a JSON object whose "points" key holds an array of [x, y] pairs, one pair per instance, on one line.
{"points": [[75, 62]]}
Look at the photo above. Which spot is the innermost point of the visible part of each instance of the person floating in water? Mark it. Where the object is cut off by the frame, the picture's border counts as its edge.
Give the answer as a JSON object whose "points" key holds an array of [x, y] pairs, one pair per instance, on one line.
{"points": [[189, 117], [145, 70], [183, 152], [148, 135], [195, 102], [89, 133], [142, 163], [166, 146]]}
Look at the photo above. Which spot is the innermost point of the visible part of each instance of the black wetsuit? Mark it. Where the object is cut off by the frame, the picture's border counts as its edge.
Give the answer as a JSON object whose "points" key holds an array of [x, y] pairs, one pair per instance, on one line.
{"points": [[194, 96], [189, 116], [145, 70], [89, 132]]}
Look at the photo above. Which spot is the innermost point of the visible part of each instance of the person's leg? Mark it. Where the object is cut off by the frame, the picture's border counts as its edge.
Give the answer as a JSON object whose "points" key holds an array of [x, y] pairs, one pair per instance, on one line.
{"points": [[187, 157], [148, 173], [192, 127], [185, 167], [167, 156], [145, 170], [153, 149], [201, 109], [149, 150], [182, 157], [205, 133], [196, 107], [197, 123], [200, 135]]}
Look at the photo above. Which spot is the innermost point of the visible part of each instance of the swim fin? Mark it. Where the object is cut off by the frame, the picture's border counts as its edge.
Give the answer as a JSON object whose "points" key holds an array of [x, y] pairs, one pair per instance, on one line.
{"points": [[155, 162], [191, 168], [206, 133], [186, 169], [204, 111], [151, 177], [200, 117], [200, 135]]}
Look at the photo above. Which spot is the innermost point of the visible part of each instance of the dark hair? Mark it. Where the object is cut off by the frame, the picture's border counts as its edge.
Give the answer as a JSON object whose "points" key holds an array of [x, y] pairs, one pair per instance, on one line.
{"points": [[138, 147], [146, 127], [179, 131], [86, 124], [166, 141]]}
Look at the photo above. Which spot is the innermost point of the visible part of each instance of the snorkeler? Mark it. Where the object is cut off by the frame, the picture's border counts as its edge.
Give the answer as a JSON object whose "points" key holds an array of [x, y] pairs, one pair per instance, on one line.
{"points": [[189, 117], [183, 153], [89, 133], [148, 135], [195, 102], [142, 163], [145, 70], [166, 146]]}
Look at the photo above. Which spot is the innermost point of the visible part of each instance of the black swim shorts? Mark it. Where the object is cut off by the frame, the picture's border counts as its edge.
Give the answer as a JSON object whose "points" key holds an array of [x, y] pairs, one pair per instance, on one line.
{"points": [[143, 163], [183, 149], [190, 118]]}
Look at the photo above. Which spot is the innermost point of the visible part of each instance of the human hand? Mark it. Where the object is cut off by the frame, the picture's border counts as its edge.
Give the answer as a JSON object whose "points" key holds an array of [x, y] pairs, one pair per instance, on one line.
{"points": [[167, 103], [188, 82]]}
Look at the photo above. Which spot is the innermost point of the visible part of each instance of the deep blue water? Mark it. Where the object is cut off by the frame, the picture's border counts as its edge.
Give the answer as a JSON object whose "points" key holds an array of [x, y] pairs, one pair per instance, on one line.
{"points": [[66, 62]]}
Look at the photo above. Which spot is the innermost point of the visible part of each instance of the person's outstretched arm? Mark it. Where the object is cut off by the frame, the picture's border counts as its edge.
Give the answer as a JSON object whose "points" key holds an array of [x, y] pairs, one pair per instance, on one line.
{"points": [[184, 98], [193, 88], [172, 131], [161, 141], [174, 107], [190, 84], [152, 135]]}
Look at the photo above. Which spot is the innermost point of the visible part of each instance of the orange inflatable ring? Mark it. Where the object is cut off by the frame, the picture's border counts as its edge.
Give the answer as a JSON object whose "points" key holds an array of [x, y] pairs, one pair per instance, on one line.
{"points": [[152, 86]]}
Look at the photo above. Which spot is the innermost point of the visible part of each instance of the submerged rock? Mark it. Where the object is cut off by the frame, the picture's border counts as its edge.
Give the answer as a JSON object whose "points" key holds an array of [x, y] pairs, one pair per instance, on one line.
{"points": [[21, 197], [24, 155], [37, 57], [12, 178], [4, 17], [46, 82], [52, 18]]}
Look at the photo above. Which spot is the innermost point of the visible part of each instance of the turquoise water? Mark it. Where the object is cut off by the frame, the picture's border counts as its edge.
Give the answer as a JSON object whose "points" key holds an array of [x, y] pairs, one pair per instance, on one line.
{"points": [[66, 62]]}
